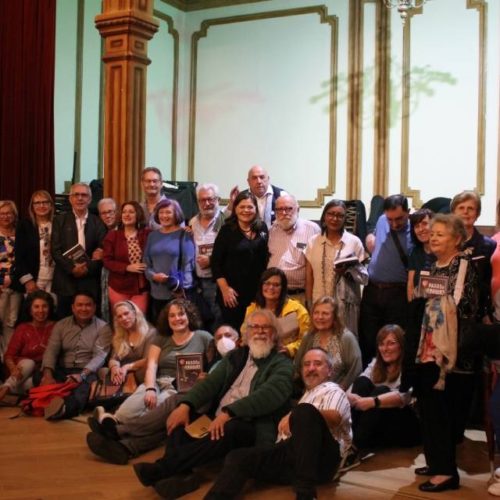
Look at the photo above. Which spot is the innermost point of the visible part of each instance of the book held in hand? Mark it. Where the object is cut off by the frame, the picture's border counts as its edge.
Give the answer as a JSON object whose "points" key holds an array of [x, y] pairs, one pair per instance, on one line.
{"points": [[346, 262], [189, 366], [432, 286], [77, 254], [198, 428]]}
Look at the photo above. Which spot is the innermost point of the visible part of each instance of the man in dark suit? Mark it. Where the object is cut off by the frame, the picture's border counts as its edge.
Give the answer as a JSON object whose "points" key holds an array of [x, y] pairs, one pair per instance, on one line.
{"points": [[69, 229], [267, 194]]}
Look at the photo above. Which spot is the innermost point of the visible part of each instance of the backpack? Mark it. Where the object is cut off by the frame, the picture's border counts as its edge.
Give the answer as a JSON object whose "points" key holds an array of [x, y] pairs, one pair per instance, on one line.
{"points": [[40, 397]]}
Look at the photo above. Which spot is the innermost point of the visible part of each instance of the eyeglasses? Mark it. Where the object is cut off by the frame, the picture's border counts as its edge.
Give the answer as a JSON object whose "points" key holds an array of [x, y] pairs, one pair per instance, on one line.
{"points": [[107, 212], [271, 284], [389, 343], [285, 210], [80, 195], [334, 215], [260, 328], [6, 214], [40, 203], [213, 199]]}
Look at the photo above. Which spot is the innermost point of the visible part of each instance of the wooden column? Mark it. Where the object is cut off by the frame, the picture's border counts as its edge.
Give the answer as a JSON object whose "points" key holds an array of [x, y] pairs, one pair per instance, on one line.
{"points": [[126, 26]]}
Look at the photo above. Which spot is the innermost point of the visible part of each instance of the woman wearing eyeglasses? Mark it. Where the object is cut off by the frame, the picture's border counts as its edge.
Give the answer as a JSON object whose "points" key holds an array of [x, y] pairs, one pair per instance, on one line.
{"points": [[293, 318], [380, 413], [327, 270], [34, 266]]}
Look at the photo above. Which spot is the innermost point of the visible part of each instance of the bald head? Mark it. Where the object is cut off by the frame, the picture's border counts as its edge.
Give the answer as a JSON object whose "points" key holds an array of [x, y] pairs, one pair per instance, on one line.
{"points": [[258, 181]]}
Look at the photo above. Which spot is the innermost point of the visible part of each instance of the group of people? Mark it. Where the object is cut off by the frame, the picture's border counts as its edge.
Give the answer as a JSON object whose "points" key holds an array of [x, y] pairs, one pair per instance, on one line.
{"points": [[315, 345]]}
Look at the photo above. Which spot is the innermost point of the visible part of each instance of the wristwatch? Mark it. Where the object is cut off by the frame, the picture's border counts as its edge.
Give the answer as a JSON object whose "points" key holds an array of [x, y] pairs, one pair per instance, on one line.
{"points": [[377, 402]]}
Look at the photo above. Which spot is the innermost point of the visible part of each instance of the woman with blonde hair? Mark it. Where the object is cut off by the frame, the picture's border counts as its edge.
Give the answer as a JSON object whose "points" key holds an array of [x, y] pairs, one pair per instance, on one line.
{"points": [[34, 266], [330, 334], [131, 340]]}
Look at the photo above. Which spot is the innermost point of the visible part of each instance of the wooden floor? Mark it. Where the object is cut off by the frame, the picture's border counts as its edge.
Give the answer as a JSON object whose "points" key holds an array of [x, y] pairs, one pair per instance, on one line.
{"points": [[44, 460]]}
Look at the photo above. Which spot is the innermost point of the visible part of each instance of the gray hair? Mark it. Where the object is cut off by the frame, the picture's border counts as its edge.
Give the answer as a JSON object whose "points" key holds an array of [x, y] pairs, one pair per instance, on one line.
{"points": [[102, 201], [269, 315], [207, 186]]}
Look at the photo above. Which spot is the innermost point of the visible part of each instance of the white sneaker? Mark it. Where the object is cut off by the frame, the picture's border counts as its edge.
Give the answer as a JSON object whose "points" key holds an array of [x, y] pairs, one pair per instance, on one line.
{"points": [[100, 414], [494, 489], [496, 476]]}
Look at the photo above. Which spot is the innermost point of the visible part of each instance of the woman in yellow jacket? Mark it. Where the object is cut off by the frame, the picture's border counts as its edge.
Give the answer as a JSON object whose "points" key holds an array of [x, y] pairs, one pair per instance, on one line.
{"points": [[293, 318]]}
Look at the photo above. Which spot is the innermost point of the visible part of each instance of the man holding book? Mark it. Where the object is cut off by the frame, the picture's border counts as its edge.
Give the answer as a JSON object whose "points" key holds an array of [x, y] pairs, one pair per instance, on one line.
{"points": [[76, 249], [248, 392]]}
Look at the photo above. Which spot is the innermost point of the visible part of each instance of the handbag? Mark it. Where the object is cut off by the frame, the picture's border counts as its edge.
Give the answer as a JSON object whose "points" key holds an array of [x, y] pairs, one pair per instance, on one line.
{"points": [[104, 393]]}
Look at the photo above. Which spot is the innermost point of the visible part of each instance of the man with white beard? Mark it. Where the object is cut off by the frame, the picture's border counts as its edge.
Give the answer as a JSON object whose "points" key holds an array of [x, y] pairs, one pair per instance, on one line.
{"points": [[314, 439], [249, 391], [288, 239]]}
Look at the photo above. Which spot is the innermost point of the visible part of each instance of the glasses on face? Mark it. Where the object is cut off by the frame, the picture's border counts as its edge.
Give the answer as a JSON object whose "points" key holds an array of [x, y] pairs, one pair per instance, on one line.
{"points": [[285, 210], [389, 343], [260, 328], [5, 215], [107, 212], [334, 215], [213, 199], [271, 284], [80, 195], [151, 181], [41, 203]]}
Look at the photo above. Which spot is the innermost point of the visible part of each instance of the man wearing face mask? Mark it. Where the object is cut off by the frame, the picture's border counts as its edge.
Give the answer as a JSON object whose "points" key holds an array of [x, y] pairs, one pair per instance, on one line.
{"points": [[288, 239]]}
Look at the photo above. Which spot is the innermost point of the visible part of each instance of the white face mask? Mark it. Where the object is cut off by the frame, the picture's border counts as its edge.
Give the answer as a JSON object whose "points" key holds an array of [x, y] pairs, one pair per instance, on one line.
{"points": [[224, 345]]}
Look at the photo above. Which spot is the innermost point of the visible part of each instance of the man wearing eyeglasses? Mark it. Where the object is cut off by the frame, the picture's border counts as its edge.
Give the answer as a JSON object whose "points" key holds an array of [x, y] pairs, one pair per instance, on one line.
{"points": [[314, 439], [288, 239], [78, 227], [248, 391], [384, 298], [205, 226]]}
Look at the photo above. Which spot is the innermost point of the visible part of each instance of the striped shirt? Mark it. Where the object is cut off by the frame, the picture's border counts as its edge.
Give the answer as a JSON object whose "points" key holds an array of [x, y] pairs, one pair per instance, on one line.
{"points": [[329, 396], [287, 250]]}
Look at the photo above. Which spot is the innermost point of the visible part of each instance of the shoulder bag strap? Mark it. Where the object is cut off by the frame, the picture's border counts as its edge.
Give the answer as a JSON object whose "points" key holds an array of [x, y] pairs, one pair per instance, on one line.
{"points": [[402, 255]]}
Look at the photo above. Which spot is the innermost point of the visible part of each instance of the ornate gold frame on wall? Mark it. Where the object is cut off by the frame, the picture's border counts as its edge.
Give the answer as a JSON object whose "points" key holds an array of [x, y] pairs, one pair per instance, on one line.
{"points": [[481, 7], [322, 11], [175, 89]]}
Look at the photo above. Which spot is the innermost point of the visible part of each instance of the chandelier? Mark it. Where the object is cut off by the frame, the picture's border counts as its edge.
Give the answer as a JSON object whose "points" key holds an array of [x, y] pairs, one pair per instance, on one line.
{"points": [[404, 6]]}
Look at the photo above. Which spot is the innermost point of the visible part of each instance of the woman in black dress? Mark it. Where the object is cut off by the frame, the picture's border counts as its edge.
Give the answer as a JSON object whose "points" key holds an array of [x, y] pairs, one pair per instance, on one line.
{"points": [[239, 257]]}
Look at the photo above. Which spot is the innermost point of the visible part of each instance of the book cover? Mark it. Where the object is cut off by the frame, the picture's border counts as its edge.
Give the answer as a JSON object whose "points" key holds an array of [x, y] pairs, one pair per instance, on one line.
{"points": [[346, 262], [77, 254], [189, 366], [206, 249], [432, 286], [198, 428]]}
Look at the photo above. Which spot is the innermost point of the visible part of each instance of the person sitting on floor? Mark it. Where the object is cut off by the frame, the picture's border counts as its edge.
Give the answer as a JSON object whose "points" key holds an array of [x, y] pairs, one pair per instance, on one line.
{"points": [[249, 392], [117, 443], [381, 415], [313, 439], [27, 344], [77, 348]]}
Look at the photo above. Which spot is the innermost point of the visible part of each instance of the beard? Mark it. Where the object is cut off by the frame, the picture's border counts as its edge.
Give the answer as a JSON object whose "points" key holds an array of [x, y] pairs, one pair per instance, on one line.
{"points": [[287, 224], [260, 349]]}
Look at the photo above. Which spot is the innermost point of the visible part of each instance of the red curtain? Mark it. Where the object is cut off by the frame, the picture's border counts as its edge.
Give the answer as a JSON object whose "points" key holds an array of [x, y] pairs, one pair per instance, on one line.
{"points": [[27, 54]]}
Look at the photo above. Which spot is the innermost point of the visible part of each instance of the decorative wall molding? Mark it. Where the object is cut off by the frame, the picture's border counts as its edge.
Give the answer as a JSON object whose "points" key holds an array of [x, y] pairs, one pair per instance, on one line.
{"points": [[320, 10], [78, 93], [192, 5], [175, 88], [415, 194]]}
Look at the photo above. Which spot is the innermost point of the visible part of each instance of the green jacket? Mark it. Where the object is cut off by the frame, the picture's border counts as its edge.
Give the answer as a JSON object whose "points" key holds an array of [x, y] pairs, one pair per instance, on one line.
{"points": [[269, 396]]}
